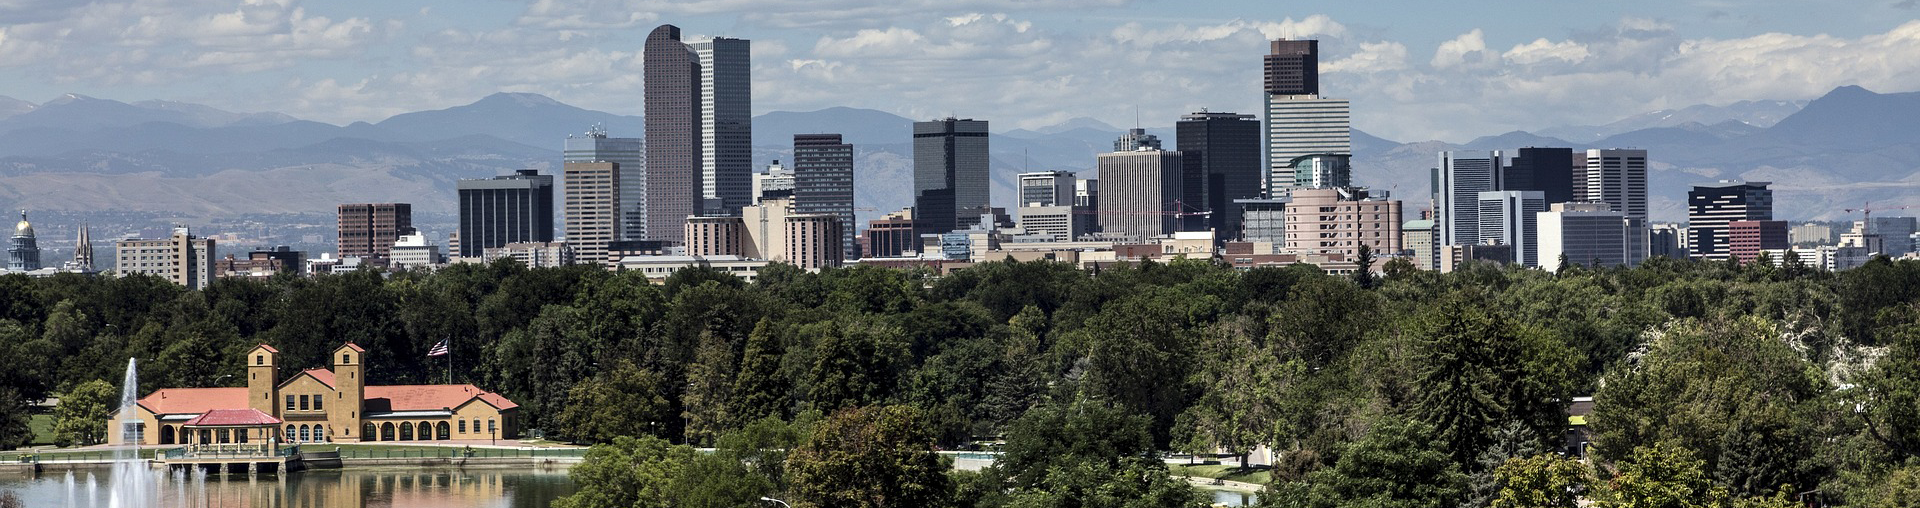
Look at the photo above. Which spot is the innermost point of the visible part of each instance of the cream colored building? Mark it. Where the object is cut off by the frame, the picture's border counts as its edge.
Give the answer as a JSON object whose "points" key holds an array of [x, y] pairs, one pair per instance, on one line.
{"points": [[769, 231], [592, 209], [1339, 221], [181, 259]]}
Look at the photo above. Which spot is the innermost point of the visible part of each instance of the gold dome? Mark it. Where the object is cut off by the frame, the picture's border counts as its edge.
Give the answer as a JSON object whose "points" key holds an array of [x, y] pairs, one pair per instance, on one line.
{"points": [[23, 228]]}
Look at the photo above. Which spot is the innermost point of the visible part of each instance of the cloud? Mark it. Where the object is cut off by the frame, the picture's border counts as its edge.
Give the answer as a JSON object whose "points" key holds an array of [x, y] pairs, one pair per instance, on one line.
{"points": [[1372, 57], [164, 41], [1541, 50], [1456, 51], [781, 13]]}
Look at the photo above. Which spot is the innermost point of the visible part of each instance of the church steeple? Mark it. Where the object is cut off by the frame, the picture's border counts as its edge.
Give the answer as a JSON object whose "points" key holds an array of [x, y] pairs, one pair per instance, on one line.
{"points": [[83, 250]]}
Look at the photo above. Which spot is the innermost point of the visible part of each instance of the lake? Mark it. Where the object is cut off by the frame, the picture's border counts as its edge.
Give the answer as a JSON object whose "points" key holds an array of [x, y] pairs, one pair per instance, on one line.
{"points": [[358, 487]]}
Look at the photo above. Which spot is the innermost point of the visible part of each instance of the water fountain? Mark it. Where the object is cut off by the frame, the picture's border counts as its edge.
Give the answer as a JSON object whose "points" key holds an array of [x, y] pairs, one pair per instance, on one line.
{"points": [[72, 495]]}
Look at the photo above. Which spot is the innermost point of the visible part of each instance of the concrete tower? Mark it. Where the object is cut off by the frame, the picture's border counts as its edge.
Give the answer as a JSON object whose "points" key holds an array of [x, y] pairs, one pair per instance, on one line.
{"points": [[350, 388], [263, 379]]}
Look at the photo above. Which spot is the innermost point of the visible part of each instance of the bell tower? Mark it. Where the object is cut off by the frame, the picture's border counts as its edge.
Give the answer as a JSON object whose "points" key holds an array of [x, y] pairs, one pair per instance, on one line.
{"points": [[263, 379], [345, 412]]}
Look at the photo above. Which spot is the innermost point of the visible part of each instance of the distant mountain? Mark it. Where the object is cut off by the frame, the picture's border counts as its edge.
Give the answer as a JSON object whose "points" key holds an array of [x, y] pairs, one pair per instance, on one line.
{"points": [[525, 118], [1855, 117], [1760, 114], [1079, 123], [10, 106], [854, 125], [1511, 140]]}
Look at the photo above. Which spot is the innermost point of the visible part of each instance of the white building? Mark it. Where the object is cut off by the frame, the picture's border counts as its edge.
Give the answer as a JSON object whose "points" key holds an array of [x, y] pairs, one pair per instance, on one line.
{"points": [[413, 251], [1586, 234], [1301, 125], [658, 268]]}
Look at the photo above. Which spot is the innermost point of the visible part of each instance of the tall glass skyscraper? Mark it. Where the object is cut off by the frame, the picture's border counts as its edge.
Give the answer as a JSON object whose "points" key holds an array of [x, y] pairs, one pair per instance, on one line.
{"points": [[726, 124], [1221, 154], [823, 182], [1299, 121], [950, 164], [505, 209], [674, 183], [1458, 180], [631, 155]]}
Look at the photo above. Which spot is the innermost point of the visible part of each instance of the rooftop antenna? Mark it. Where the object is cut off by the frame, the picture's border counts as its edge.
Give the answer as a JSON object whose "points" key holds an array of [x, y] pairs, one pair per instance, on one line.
{"points": [[1136, 116]]}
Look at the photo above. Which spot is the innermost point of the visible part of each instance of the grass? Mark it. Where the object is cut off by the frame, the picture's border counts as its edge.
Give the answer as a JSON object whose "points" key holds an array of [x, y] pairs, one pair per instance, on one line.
{"points": [[42, 426], [1229, 472]]}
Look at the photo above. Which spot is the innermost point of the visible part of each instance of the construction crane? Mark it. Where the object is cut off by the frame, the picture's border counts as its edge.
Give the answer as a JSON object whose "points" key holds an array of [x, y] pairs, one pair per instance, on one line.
{"points": [[1866, 210]]}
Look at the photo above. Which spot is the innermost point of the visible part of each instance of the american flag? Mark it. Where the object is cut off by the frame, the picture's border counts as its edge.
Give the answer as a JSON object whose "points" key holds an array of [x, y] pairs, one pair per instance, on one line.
{"points": [[439, 349]]}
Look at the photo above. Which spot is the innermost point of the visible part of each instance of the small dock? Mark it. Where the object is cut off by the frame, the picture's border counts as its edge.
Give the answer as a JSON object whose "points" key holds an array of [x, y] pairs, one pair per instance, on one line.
{"points": [[231, 459]]}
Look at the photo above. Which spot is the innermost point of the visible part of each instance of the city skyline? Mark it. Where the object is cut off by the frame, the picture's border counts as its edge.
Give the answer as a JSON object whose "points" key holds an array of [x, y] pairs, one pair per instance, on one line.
{"points": [[1479, 70]]}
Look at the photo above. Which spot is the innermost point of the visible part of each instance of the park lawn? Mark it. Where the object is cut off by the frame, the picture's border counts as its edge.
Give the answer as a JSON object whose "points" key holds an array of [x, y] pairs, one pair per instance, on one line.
{"points": [[1256, 474], [42, 426]]}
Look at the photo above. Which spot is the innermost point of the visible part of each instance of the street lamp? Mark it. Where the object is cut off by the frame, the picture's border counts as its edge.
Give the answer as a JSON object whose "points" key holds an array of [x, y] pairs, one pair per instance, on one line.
{"points": [[772, 500]]}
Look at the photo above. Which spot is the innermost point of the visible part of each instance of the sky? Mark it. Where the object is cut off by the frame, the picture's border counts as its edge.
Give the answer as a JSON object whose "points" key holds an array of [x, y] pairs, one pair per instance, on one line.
{"points": [[1414, 70]]}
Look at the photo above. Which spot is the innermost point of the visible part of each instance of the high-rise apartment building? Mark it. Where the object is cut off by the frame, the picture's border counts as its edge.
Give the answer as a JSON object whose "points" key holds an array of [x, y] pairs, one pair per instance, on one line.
{"points": [[771, 231], [1548, 170], [592, 209], [726, 123], [1586, 234], [1221, 154], [367, 230], [1300, 121], [1046, 188], [496, 211], [1416, 239], [1458, 180], [23, 249], [182, 259], [823, 183], [950, 164], [674, 145], [631, 155], [1139, 192], [1712, 207], [1339, 221], [1618, 177], [1135, 139], [1509, 218], [1746, 239]]}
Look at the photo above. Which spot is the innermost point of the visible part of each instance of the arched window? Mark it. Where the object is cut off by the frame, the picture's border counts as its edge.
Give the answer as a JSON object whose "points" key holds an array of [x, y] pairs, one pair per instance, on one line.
{"points": [[386, 431], [425, 429], [406, 431], [292, 432], [320, 433], [444, 432], [304, 434], [166, 434]]}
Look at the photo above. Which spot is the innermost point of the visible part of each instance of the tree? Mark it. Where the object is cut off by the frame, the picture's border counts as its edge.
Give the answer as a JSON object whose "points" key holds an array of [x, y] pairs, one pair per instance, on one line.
{"points": [[15, 420], [1480, 370], [1511, 441], [82, 416], [1242, 385], [869, 457], [1133, 483], [709, 399], [1890, 398], [760, 390], [1541, 481], [1363, 267], [624, 401], [856, 363], [629, 472], [1081, 431], [1398, 464], [1663, 476]]}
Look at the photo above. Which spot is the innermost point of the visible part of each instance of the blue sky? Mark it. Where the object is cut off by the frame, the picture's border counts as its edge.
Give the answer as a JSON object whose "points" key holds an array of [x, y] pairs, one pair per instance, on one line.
{"points": [[1415, 70]]}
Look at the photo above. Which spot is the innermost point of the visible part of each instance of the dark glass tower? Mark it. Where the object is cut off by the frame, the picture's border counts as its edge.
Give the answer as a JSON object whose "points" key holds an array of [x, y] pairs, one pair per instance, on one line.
{"points": [[1221, 163], [674, 186], [1548, 170], [1293, 68], [949, 174], [505, 209], [823, 182]]}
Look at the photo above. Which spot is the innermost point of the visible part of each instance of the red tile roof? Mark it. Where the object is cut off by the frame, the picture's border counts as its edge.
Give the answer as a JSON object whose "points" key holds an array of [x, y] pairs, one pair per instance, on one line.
{"points": [[324, 376], [429, 397], [168, 401], [233, 418], [269, 349], [356, 347]]}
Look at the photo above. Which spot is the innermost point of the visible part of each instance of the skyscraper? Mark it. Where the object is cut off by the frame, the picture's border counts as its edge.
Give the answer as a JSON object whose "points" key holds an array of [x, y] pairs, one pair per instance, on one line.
{"points": [[369, 229], [516, 208], [1138, 192], [1047, 207], [1221, 154], [23, 252], [726, 122], [1548, 170], [1586, 234], [1713, 207], [1135, 139], [823, 183], [631, 155], [1299, 121], [592, 209], [181, 259], [1508, 218], [674, 153], [1618, 177], [1322, 171], [1458, 181], [949, 174], [1046, 188]]}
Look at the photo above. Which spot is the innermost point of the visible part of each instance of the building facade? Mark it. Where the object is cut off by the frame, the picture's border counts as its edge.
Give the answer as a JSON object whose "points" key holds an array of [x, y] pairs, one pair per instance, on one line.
{"points": [[1458, 180], [1221, 157], [1746, 239], [326, 405], [1712, 207], [367, 230], [1585, 234], [414, 251], [1548, 170], [631, 155], [1046, 188], [262, 263], [533, 254], [777, 179], [1339, 221], [772, 231], [950, 171], [1618, 177], [1509, 218], [1060, 223], [674, 145], [1416, 242], [592, 208], [182, 258], [496, 211], [1135, 139], [823, 183], [890, 236], [726, 123], [1141, 194]]}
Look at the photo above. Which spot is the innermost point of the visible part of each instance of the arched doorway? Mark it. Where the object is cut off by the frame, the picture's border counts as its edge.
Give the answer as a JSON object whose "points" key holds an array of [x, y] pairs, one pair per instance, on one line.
{"points": [[368, 433], [426, 430], [406, 431], [305, 434], [386, 431], [293, 433], [443, 430], [166, 434]]}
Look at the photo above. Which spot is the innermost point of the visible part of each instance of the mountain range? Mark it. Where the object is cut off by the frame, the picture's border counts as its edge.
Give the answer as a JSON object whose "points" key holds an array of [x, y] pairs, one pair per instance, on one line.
{"points": [[82, 153]]}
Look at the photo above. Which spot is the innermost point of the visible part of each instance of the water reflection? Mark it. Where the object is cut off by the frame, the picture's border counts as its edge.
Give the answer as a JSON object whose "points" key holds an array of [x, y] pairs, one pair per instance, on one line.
{"points": [[1233, 498], [355, 488]]}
